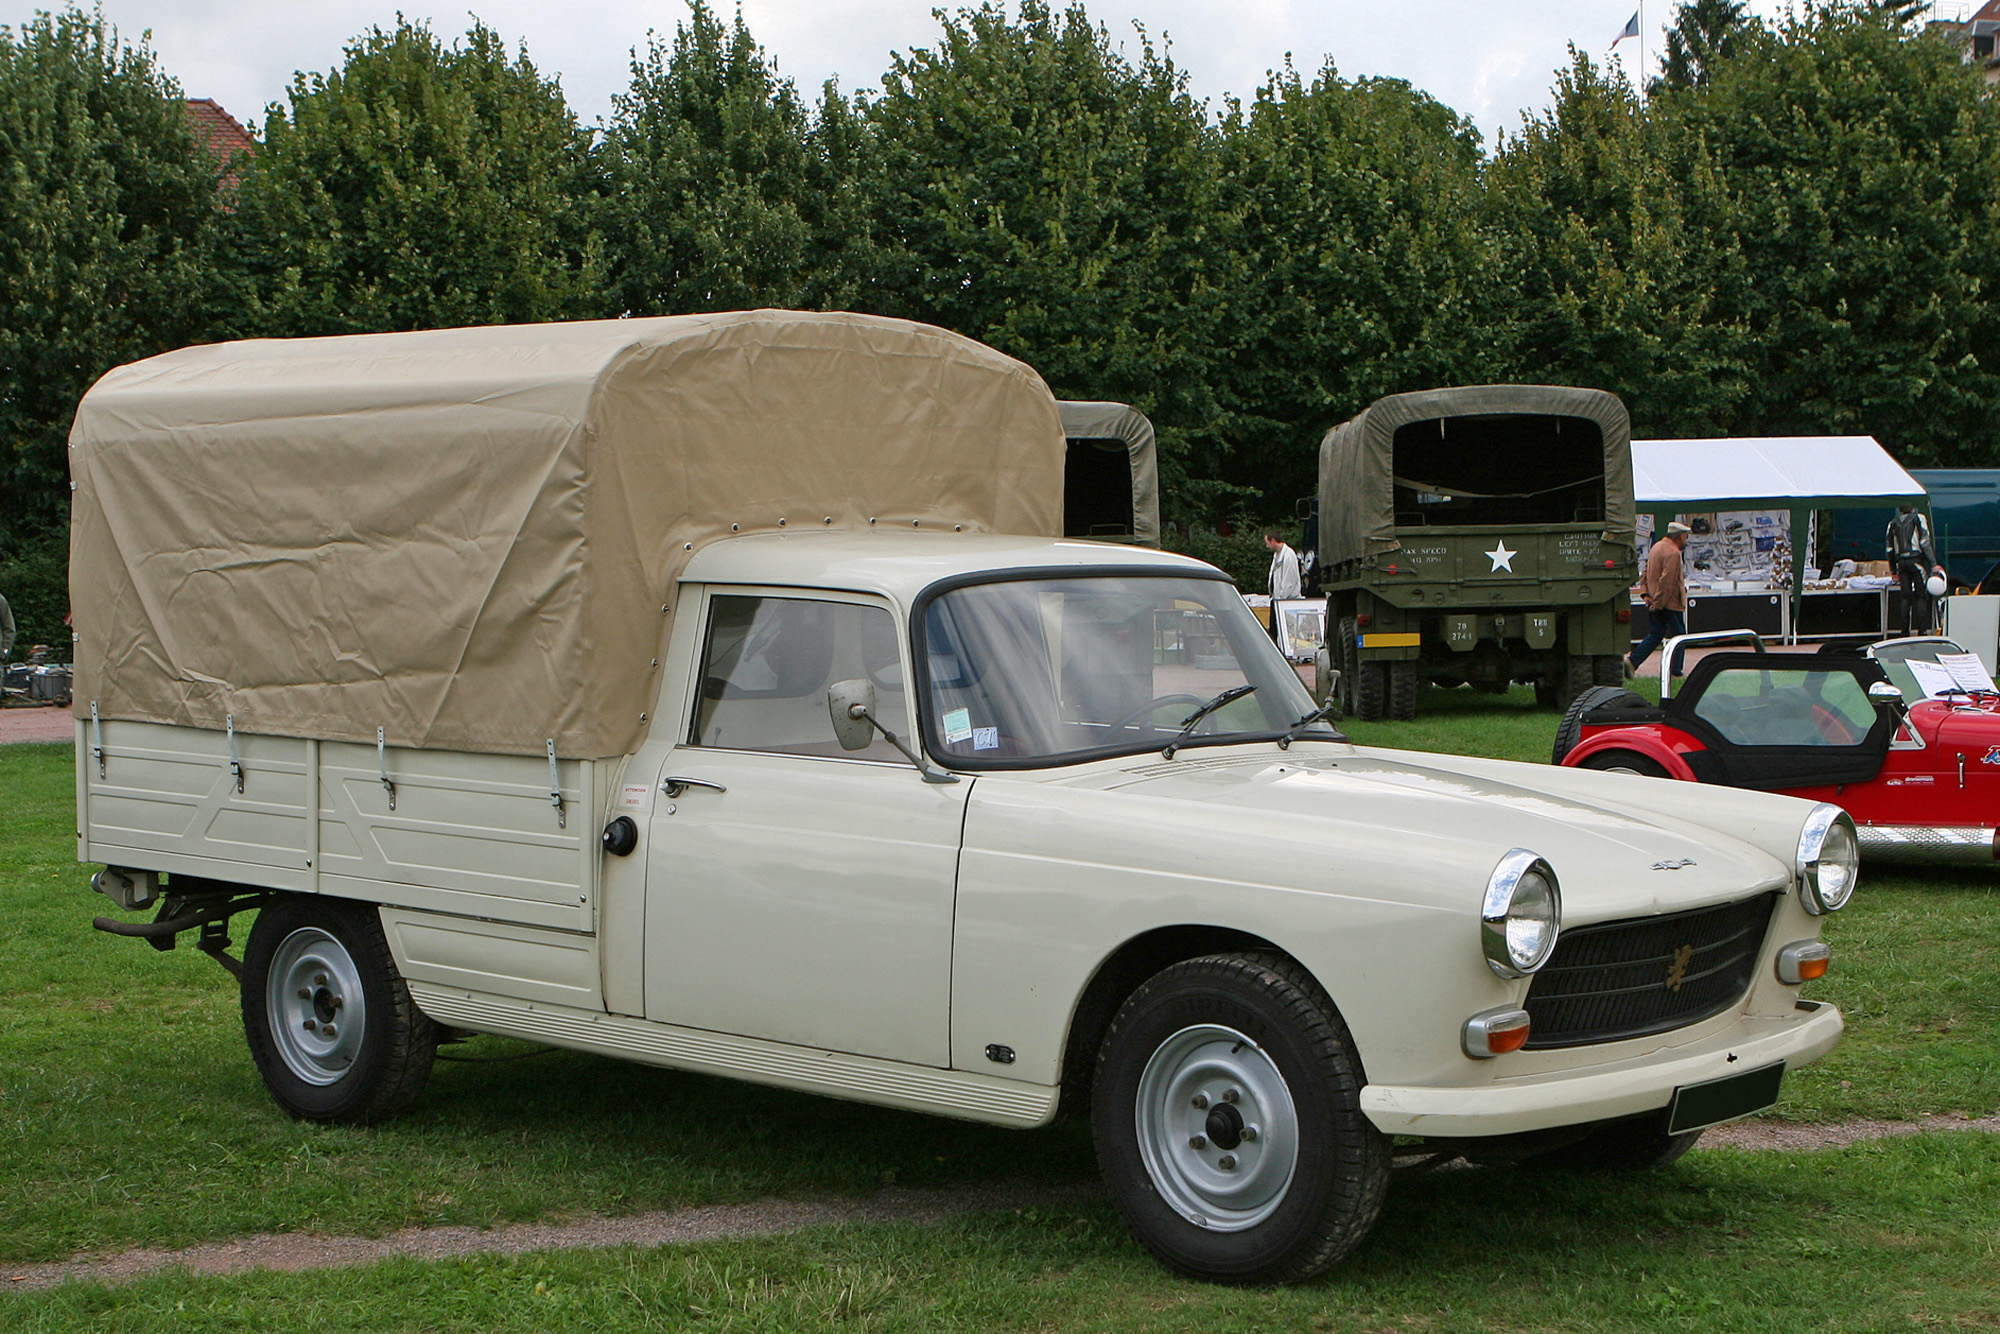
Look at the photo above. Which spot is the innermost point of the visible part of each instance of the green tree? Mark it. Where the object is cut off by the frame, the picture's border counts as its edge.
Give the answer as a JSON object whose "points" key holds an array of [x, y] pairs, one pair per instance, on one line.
{"points": [[107, 212], [1859, 207], [1359, 268], [1705, 33], [1606, 284], [710, 165], [419, 186], [1040, 192]]}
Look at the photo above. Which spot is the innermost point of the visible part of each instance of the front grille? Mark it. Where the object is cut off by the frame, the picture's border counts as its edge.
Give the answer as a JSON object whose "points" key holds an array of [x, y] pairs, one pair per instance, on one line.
{"points": [[1627, 979]]}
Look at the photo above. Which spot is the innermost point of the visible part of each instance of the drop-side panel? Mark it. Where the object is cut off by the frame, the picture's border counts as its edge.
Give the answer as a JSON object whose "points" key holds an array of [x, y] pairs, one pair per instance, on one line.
{"points": [[166, 798], [470, 834]]}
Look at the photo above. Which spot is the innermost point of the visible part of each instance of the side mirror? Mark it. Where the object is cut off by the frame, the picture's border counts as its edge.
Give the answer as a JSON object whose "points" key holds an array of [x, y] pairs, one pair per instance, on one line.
{"points": [[851, 706], [1884, 692], [1326, 677]]}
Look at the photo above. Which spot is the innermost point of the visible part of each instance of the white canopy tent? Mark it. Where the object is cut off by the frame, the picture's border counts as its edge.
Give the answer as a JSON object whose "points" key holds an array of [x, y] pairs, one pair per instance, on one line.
{"points": [[1799, 473]]}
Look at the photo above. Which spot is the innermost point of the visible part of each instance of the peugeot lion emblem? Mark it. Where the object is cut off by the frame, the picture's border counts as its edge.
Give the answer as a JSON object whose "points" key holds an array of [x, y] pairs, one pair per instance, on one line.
{"points": [[1677, 971]]}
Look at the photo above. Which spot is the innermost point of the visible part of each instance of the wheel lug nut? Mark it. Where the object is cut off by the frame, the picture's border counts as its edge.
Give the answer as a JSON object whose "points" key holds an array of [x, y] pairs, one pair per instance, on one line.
{"points": [[319, 979], [1249, 1134], [328, 1032], [1230, 1095], [1200, 1101], [1197, 1141], [336, 1002], [311, 1027], [1227, 1162], [304, 994]]}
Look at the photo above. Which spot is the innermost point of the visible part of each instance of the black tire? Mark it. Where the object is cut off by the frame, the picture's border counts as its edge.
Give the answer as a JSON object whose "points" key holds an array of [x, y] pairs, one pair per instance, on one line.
{"points": [[1624, 762], [1169, 1138], [1608, 669], [1578, 675], [1344, 659], [1546, 693], [1637, 1144], [1403, 691], [319, 960], [1570, 730]]}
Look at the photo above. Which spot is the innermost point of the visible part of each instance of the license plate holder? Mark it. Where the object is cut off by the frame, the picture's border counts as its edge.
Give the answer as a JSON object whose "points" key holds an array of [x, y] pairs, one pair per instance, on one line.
{"points": [[1710, 1103]]}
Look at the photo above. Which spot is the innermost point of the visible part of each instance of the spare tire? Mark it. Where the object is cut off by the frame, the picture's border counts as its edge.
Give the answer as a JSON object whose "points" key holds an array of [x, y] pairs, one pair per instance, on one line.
{"points": [[1570, 730]]}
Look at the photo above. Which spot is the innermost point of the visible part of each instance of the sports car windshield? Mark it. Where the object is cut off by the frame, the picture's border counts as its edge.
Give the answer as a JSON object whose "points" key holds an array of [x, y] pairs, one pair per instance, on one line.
{"points": [[1030, 672]]}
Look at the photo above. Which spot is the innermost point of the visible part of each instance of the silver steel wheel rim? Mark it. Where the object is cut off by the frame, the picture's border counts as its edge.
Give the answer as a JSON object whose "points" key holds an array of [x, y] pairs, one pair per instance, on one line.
{"points": [[1218, 1186], [312, 996]]}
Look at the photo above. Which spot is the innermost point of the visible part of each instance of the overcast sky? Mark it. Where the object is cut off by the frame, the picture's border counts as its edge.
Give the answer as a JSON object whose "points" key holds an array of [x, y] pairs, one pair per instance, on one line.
{"points": [[1489, 59]]}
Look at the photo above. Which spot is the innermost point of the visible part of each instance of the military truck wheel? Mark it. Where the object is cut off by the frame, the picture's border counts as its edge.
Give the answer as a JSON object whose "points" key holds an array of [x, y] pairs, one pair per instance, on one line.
{"points": [[1227, 1118], [1546, 693], [1371, 691], [1570, 730], [329, 1020], [1608, 669], [1579, 672], [1402, 691], [1349, 664]]}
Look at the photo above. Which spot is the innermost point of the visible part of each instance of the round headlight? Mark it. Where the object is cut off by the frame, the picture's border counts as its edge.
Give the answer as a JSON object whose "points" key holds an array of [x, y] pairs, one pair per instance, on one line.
{"points": [[1829, 860], [1522, 914]]}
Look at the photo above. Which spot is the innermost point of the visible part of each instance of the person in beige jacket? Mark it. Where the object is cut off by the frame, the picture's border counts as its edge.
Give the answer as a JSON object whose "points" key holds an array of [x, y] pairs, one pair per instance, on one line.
{"points": [[1664, 586]]}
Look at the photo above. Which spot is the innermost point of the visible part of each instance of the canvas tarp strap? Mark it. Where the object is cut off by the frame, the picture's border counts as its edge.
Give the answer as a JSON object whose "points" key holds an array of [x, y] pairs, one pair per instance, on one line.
{"points": [[1357, 500], [1117, 421], [470, 538]]}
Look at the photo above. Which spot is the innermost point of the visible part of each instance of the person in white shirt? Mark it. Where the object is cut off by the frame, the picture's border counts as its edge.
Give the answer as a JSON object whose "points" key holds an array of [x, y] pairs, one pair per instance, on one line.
{"points": [[1285, 578]]}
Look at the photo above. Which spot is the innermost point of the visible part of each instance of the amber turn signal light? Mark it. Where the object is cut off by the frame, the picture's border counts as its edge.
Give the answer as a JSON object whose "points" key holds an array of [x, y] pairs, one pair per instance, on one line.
{"points": [[1803, 961], [1495, 1033]]}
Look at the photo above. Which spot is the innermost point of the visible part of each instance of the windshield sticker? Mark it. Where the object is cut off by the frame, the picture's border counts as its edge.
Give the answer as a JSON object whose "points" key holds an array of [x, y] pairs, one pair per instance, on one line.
{"points": [[986, 738], [957, 726]]}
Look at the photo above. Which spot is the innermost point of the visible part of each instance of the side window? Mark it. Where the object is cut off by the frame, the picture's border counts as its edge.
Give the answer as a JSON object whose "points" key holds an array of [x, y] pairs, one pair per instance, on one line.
{"points": [[767, 664], [1760, 707]]}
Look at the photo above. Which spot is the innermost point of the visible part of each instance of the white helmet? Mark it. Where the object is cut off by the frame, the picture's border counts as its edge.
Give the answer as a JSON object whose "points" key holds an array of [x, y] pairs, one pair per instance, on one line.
{"points": [[1935, 586]]}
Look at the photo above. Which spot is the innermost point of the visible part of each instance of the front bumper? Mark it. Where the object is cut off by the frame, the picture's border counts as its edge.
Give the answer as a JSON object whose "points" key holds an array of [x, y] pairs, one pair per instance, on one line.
{"points": [[1601, 1093]]}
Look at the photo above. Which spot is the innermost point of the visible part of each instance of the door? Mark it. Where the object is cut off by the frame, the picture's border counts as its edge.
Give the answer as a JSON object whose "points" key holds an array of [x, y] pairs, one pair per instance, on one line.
{"points": [[797, 891]]}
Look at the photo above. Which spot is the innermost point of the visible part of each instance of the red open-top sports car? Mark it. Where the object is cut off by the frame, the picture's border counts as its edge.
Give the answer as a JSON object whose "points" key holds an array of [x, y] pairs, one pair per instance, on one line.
{"points": [[1920, 776]]}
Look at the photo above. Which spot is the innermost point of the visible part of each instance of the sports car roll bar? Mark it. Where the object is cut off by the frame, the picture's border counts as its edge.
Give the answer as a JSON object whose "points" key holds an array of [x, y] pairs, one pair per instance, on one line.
{"points": [[1671, 649]]}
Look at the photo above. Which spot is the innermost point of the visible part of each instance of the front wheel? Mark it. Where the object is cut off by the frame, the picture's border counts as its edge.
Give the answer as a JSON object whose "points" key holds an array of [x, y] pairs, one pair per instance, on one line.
{"points": [[330, 1023], [1228, 1123]]}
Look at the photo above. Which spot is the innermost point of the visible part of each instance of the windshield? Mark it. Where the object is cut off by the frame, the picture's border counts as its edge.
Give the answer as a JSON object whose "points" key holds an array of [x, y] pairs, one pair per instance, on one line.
{"points": [[1895, 656], [1031, 672]]}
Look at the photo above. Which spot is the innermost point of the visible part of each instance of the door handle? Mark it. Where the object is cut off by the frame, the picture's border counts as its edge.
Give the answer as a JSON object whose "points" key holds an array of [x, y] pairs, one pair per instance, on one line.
{"points": [[673, 787]]}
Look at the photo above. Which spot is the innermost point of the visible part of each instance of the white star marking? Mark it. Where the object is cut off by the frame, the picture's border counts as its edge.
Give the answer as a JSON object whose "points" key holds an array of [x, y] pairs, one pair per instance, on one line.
{"points": [[1502, 558]]}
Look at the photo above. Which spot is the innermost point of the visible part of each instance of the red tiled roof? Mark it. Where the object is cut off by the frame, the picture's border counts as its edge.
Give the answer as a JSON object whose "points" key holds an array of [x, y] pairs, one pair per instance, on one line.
{"points": [[224, 137]]}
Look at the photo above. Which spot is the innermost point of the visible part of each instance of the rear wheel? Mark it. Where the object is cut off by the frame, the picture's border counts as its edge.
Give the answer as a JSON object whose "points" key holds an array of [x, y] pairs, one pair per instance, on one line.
{"points": [[1608, 669], [1227, 1118], [1344, 657], [330, 1023], [1570, 730], [1402, 691], [1624, 762]]}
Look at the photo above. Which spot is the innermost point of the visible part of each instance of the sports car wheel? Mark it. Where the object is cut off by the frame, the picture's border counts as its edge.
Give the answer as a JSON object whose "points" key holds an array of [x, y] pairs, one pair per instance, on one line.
{"points": [[1570, 730], [330, 1023], [1227, 1119], [1624, 762]]}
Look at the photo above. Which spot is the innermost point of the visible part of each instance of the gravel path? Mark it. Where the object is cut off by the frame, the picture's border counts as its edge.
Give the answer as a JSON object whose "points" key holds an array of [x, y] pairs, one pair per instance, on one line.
{"points": [[292, 1252], [36, 725]]}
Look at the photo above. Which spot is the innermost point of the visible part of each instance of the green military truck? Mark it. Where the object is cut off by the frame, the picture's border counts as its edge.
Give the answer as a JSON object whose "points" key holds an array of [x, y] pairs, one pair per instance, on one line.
{"points": [[1476, 536]]}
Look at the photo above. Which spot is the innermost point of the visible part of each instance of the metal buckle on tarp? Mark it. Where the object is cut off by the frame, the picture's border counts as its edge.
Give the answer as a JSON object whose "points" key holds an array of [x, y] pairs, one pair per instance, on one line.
{"points": [[555, 788], [382, 763], [235, 761]]}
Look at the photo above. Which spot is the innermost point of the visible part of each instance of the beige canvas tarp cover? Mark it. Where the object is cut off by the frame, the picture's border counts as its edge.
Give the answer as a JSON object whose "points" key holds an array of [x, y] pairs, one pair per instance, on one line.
{"points": [[1357, 508], [469, 537], [1117, 421]]}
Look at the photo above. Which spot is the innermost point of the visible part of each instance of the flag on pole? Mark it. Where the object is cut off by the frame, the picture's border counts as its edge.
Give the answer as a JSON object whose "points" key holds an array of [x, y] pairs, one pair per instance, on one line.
{"points": [[1631, 30]]}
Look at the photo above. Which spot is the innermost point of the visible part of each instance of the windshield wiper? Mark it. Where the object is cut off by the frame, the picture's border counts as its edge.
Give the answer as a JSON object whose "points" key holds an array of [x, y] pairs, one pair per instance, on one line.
{"points": [[1317, 715], [1188, 723]]}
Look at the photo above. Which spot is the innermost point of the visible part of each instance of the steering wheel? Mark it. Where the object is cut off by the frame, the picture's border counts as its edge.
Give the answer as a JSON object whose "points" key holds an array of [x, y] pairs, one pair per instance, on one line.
{"points": [[1156, 703]]}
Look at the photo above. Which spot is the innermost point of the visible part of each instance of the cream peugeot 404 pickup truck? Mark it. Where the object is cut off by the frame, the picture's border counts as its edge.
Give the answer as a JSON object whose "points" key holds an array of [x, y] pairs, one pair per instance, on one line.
{"points": [[684, 691]]}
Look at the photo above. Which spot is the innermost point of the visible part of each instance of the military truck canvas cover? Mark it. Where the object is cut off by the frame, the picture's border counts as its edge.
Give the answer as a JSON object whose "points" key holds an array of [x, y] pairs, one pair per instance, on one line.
{"points": [[1357, 459], [1086, 424], [470, 538]]}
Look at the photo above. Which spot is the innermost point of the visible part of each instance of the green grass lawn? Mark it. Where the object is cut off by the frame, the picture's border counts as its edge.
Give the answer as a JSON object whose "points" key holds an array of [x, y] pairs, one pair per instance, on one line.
{"points": [[130, 1114]]}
